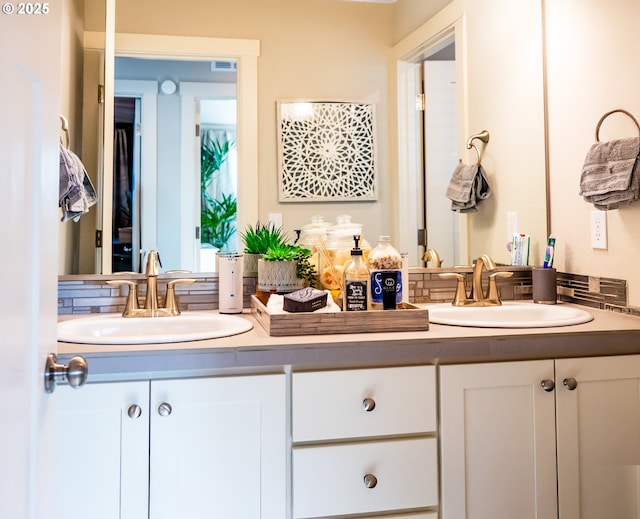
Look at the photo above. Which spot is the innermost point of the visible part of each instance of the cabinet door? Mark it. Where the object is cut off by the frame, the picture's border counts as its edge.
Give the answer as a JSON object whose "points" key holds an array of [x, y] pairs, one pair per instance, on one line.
{"points": [[498, 441], [218, 448], [599, 437], [103, 451]]}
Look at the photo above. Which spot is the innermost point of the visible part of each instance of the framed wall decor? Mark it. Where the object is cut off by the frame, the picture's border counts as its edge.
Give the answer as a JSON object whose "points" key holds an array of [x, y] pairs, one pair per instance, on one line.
{"points": [[326, 151]]}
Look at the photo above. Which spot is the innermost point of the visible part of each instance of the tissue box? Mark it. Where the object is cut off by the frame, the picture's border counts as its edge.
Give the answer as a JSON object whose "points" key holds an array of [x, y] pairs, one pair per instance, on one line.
{"points": [[305, 300]]}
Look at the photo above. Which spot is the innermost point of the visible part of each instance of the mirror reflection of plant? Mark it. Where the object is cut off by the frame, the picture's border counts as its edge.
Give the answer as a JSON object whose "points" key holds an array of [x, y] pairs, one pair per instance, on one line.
{"points": [[217, 220], [218, 215], [260, 238]]}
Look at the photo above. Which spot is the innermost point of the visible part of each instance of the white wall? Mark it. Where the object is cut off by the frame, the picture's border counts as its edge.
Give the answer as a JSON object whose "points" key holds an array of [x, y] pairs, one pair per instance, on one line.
{"points": [[593, 67], [504, 89], [311, 49], [71, 74]]}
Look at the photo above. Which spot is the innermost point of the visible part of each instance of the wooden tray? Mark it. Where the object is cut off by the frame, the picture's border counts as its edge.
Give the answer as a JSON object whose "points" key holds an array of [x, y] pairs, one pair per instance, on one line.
{"points": [[407, 318]]}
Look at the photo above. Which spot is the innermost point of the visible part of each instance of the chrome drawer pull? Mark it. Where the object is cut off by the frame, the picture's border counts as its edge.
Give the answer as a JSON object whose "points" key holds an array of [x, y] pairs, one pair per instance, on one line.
{"points": [[164, 409], [570, 383], [368, 404], [134, 411], [548, 385], [370, 481]]}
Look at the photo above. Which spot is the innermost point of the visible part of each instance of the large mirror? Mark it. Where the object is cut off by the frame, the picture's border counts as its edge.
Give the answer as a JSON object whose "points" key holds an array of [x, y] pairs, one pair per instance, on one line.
{"points": [[175, 162], [287, 71]]}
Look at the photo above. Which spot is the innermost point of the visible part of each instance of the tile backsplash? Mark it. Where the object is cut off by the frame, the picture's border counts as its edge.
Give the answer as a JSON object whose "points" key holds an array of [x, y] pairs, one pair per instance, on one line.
{"points": [[90, 294]]}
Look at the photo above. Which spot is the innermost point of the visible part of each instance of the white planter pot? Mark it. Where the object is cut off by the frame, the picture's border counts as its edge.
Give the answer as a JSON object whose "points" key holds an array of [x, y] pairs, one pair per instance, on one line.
{"points": [[278, 275]]}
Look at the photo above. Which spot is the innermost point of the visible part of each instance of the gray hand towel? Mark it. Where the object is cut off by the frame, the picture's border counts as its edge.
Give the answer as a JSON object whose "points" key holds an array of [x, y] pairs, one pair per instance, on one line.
{"points": [[610, 178], [469, 185], [76, 192]]}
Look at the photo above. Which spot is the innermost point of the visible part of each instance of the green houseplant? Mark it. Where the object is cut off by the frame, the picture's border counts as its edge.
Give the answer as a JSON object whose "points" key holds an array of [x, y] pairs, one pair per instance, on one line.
{"points": [[257, 240], [285, 268], [218, 215]]}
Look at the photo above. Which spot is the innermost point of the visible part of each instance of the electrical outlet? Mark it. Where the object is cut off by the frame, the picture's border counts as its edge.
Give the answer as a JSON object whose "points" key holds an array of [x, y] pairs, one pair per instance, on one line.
{"points": [[599, 230], [275, 219]]}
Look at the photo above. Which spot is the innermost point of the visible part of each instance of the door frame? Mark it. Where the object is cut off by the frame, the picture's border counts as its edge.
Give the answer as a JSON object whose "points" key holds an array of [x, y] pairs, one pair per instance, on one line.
{"points": [[406, 60]]}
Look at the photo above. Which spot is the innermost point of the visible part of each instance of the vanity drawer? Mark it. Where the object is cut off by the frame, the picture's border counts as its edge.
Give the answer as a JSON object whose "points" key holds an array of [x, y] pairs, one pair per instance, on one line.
{"points": [[330, 480], [333, 404]]}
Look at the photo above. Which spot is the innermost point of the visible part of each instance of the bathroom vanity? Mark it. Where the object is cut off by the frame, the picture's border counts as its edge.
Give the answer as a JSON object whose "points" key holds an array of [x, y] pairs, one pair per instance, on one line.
{"points": [[452, 422]]}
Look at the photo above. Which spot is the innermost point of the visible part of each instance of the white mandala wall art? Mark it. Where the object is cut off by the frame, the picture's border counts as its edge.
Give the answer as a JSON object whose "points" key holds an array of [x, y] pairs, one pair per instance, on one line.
{"points": [[326, 151]]}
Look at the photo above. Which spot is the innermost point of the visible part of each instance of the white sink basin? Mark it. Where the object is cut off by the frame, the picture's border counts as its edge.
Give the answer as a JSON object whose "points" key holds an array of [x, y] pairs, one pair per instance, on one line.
{"points": [[509, 315], [115, 329]]}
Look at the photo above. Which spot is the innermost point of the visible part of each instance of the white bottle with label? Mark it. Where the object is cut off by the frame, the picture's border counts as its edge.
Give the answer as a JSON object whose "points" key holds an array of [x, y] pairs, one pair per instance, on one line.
{"points": [[356, 281]]}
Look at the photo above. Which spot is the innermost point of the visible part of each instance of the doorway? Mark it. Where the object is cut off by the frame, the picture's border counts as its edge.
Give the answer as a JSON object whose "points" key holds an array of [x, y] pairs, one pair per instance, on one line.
{"points": [[440, 151], [126, 171]]}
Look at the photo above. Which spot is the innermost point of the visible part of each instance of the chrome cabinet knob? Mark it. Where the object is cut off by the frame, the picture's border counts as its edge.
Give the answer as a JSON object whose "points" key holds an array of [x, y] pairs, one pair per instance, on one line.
{"points": [[75, 373], [164, 409], [368, 404], [134, 411], [570, 383], [370, 481], [548, 385]]}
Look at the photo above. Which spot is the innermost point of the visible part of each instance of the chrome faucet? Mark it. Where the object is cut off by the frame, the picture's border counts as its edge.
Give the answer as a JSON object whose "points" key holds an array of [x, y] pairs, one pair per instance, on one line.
{"points": [[478, 296], [151, 309]]}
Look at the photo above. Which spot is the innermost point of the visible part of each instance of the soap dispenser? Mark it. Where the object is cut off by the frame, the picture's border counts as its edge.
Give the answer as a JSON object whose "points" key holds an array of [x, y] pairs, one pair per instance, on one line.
{"points": [[356, 281]]}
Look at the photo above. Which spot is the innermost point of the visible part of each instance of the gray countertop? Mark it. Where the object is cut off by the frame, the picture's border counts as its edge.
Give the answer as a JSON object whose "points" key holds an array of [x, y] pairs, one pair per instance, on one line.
{"points": [[255, 351]]}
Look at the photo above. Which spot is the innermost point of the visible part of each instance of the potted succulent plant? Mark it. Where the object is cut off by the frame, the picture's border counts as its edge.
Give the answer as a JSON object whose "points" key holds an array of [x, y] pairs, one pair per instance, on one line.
{"points": [[258, 240], [285, 268]]}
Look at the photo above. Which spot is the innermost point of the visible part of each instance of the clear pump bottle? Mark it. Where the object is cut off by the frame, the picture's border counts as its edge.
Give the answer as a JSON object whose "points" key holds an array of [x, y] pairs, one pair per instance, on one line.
{"points": [[356, 281]]}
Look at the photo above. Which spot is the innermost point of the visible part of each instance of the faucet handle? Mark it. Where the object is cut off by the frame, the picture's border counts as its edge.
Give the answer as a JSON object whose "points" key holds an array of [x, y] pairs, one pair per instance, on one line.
{"points": [[153, 263], [171, 303], [461, 291], [432, 255], [493, 287], [132, 297]]}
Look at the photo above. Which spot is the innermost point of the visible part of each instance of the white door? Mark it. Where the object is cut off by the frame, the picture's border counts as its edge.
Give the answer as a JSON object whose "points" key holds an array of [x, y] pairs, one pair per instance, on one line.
{"points": [[497, 437], [29, 155], [441, 158], [598, 415], [218, 448]]}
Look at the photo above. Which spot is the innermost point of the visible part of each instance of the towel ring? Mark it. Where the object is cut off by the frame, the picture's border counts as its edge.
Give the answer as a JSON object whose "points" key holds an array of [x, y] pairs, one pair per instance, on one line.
{"points": [[64, 126], [483, 136], [633, 118]]}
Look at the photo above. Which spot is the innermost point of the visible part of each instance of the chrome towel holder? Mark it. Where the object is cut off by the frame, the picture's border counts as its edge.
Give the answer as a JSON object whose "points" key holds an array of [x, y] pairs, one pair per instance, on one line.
{"points": [[65, 138], [483, 136], [617, 110]]}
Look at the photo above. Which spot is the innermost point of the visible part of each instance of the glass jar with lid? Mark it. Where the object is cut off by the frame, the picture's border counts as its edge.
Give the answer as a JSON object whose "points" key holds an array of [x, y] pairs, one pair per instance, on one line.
{"points": [[339, 243], [313, 237]]}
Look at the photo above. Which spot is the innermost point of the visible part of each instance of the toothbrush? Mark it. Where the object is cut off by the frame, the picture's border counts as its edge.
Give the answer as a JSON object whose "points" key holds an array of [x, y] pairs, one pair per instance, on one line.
{"points": [[549, 253]]}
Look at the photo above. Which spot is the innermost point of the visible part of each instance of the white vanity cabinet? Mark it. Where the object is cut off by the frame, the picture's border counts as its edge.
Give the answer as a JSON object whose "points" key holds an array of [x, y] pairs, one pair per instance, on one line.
{"points": [[218, 448], [541, 439], [103, 451], [199, 448], [364, 442], [598, 421]]}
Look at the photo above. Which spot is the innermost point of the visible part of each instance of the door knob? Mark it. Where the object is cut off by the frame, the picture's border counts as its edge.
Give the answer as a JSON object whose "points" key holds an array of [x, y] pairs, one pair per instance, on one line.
{"points": [[164, 409], [75, 373], [548, 385], [570, 383]]}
